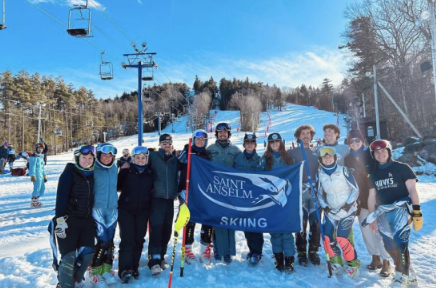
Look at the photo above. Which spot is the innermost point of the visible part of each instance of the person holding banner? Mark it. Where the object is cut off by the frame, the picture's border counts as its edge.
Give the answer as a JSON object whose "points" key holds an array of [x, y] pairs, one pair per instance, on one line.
{"points": [[283, 245], [199, 144], [337, 196], [305, 133], [249, 160], [224, 152], [136, 186]]}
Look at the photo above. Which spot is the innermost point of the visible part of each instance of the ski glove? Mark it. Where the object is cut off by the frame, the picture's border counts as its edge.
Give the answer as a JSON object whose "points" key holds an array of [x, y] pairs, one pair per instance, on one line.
{"points": [[61, 227], [45, 179], [417, 217], [33, 178]]}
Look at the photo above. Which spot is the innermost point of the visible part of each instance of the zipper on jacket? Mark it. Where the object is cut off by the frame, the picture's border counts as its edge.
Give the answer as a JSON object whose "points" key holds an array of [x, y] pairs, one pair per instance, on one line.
{"points": [[89, 196]]}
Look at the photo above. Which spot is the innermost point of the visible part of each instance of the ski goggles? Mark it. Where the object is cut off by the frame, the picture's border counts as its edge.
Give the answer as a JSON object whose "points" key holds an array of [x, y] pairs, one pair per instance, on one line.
{"points": [[87, 149], [200, 134], [223, 126], [107, 149], [379, 144], [326, 151], [355, 140], [140, 150]]}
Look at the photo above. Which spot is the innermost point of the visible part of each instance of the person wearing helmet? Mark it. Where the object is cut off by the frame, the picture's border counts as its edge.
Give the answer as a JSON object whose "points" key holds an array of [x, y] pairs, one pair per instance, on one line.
{"points": [[199, 144], [361, 164], [337, 195], [37, 175], [394, 203], [305, 134], [223, 152], [11, 156], [105, 214], [3, 157], [136, 186], [73, 223], [283, 245], [126, 158], [249, 160]]}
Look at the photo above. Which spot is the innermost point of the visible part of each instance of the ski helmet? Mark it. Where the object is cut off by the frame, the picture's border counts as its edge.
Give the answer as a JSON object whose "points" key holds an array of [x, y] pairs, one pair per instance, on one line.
{"points": [[327, 150], [381, 144], [106, 148], [199, 133], [84, 150], [223, 126]]}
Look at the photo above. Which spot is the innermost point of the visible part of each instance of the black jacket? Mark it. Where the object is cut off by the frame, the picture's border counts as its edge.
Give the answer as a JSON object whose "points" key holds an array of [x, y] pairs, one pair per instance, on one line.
{"points": [[136, 189], [123, 160], [183, 158], [75, 194]]}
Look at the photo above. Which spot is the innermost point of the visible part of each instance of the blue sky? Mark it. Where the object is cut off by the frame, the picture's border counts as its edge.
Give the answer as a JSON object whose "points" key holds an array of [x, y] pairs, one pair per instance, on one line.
{"points": [[282, 42]]}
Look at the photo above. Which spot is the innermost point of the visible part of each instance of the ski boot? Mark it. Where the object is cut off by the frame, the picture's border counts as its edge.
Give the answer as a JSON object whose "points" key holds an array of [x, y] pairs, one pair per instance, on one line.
{"points": [[412, 281], [156, 270], [79, 284], [314, 258], [289, 264], [205, 250], [189, 255], [135, 273], [302, 258], [125, 276], [254, 258], [163, 264], [98, 281], [279, 263], [337, 265], [35, 203], [353, 268]]}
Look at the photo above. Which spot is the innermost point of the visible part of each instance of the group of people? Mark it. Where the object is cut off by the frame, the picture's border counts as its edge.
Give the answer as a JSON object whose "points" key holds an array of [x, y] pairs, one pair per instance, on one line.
{"points": [[350, 181]]}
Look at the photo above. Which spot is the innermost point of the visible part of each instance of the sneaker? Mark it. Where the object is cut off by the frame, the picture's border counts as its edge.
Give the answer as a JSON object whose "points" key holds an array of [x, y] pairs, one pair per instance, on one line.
{"points": [[79, 285], [188, 252], [302, 259], [289, 264], [412, 281], [254, 259], [228, 259], [109, 278], [314, 258], [163, 264], [125, 276], [98, 281], [35, 203], [135, 274], [156, 270], [399, 280], [205, 250]]}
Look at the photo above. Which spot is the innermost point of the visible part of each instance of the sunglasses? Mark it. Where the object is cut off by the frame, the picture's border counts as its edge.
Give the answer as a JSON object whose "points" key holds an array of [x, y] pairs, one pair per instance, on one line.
{"points": [[166, 142], [326, 151], [379, 144], [140, 150], [200, 134], [355, 140], [107, 149], [223, 126]]}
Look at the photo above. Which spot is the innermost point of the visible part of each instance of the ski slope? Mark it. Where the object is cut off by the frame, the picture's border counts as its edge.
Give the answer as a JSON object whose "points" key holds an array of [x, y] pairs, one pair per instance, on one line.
{"points": [[25, 254]]}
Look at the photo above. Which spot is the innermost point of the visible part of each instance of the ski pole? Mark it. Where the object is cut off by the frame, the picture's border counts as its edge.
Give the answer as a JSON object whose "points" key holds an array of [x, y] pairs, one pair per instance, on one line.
{"points": [[306, 165], [182, 220], [188, 175]]}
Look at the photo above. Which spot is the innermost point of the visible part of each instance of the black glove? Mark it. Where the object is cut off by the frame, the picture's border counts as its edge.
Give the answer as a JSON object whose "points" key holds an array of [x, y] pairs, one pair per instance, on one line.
{"points": [[327, 210]]}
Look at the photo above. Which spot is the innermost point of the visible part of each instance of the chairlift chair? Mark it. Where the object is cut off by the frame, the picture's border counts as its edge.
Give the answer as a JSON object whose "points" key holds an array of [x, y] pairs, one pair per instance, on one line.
{"points": [[106, 69], [79, 21], [3, 22], [148, 76]]}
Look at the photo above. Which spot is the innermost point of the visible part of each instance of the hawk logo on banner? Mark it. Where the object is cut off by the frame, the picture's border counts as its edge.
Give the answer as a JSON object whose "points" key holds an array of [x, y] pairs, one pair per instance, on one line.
{"points": [[267, 201]]}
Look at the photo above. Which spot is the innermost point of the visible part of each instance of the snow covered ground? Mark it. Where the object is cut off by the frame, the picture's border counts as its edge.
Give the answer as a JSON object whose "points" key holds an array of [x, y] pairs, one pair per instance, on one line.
{"points": [[25, 255]]}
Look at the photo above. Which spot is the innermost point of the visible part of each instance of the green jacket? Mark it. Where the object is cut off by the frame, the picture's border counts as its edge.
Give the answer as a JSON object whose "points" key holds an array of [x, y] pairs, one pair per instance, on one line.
{"points": [[165, 172], [224, 156]]}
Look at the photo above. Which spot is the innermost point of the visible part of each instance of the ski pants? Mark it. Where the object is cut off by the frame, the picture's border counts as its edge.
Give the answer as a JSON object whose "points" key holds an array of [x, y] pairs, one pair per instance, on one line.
{"points": [[161, 226], [254, 242], [38, 186], [225, 242], [309, 216], [106, 222], [342, 228], [2, 164], [395, 230], [283, 242], [206, 234], [133, 228], [373, 240]]}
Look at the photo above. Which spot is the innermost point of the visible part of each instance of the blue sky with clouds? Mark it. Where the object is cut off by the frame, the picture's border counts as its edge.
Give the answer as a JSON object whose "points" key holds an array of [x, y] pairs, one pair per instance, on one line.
{"points": [[282, 42]]}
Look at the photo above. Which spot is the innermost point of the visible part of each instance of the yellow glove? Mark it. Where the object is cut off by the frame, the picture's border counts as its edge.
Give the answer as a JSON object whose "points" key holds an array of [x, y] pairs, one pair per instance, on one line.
{"points": [[33, 178], [417, 217]]}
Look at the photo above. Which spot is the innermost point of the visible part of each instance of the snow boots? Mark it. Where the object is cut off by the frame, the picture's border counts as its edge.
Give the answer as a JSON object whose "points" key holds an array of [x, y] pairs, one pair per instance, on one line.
{"points": [[125, 276], [279, 261], [289, 264], [228, 259], [314, 258], [254, 258], [35, 203], [375, 263], [302, 258]]}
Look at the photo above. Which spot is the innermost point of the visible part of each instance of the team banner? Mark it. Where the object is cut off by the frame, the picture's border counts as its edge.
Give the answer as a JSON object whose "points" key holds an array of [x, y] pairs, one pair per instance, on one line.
{"points": [[266, 201]]}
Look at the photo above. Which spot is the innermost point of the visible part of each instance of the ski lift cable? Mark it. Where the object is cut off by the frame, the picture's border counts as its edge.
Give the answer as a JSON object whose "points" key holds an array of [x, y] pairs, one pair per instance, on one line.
{"points": [[113, 22]]}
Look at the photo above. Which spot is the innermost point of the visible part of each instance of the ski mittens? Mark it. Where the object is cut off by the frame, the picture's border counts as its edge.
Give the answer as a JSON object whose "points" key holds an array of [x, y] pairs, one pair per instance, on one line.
{"points": [[45, 179], [61, 227], [417, 217], [33, 178]]}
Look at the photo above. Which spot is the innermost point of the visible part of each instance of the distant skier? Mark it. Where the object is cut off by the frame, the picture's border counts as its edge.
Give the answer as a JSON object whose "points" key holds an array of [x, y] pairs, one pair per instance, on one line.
{"points": [[37, 175], [337, 195], [126, 158], [11, 156], [3, 157]]}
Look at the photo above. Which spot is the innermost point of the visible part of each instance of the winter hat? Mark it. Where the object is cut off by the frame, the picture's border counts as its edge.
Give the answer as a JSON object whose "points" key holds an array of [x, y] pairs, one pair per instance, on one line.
{"points": [[164, 137], [274, 137], [355, 134], [6, 143]]}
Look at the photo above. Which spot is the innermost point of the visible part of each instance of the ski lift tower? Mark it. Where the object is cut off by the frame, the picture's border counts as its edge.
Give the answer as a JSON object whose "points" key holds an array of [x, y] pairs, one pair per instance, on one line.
{"points": [[3, 22], [141, 60]]}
